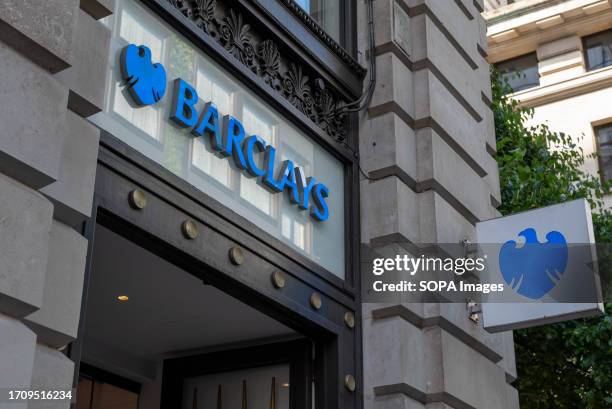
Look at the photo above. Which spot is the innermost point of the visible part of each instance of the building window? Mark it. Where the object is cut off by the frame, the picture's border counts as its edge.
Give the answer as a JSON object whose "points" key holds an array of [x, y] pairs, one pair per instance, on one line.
{"points": [[250, 188], [598, 49], [147, 119], [603, 136], [325, 12], [521, 72]]}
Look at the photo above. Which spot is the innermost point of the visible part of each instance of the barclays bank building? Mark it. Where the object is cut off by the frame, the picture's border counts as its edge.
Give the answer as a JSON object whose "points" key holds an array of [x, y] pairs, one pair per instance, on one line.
{"points": [[188, 187]]}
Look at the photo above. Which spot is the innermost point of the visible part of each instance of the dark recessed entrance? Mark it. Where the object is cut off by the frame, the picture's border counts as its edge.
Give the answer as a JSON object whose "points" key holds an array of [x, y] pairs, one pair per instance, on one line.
{"points": [[179, 315], [156, 335]]}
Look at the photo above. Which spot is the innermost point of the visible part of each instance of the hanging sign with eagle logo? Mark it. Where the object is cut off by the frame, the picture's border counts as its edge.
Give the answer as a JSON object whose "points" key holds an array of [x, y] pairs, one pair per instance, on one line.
{"points": [[547, 260]]}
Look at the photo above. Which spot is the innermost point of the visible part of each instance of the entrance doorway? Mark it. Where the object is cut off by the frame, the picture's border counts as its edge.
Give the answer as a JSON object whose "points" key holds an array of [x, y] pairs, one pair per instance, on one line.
{"points": [[156, 335]]}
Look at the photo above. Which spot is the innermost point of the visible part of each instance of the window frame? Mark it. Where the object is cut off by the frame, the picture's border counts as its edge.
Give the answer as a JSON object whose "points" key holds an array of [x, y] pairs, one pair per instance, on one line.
{"points": [[342, 34], [510, 60], [586, 51], [600, 171], [346, 13], [310, 41]]}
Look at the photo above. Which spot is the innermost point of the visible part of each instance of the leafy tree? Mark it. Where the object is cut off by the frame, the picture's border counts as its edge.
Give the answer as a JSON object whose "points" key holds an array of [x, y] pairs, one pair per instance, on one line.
{"points": [[566, 365]]}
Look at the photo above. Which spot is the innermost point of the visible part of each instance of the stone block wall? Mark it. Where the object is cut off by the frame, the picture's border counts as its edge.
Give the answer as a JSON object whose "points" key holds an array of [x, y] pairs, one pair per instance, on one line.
{"points": [[426, 144], [52, 78]]}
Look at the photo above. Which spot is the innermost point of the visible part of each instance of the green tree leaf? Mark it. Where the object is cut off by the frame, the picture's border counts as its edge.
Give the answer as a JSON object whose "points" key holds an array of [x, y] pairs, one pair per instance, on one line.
{"points": [[566, 365]]}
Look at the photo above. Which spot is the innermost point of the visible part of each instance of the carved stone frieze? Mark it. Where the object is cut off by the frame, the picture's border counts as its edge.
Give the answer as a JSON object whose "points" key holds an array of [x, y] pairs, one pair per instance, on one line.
{"points": [[261, 55]]}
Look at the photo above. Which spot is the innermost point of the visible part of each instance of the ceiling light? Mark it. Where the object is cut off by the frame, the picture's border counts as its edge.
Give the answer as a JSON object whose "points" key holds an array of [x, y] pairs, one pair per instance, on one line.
{"points": [[123, 297]]}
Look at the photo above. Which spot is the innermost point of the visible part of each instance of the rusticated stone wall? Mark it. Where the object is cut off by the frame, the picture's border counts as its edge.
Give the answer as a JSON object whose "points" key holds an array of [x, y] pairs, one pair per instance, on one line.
{"points": [[52, 78], [426, 145]]}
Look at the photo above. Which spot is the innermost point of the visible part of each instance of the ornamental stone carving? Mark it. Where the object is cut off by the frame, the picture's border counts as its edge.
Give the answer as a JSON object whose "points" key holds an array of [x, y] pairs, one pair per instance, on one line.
{"points": [[262, 56]]}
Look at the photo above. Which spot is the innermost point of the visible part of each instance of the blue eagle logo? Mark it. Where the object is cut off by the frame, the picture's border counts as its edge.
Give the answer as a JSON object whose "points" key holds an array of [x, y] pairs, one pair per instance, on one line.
{"points": [[145, 81], [534, 268]]}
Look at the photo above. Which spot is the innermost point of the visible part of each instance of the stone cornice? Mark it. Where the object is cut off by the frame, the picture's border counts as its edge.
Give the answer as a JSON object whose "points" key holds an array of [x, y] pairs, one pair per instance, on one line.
{"points": [[546, 15], [517, 9], [513, 40]]}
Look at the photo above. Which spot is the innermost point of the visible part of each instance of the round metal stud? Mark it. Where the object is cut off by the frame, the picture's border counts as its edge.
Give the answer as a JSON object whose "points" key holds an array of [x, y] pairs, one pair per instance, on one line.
{"points": [[236, 256], [278, 279], [349, 319], [137, 199], [349, 383], [189, 229], [315, 301]]}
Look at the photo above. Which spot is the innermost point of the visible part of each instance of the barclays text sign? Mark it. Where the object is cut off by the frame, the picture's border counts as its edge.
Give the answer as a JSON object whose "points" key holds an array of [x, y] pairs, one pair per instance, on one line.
{"points": [[244, 176], [146, 83]]}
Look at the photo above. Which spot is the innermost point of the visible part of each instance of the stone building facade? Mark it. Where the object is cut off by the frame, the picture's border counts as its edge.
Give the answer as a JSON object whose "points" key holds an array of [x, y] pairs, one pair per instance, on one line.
{"points": [[565, 47], [426, 145], [51, 80]]}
